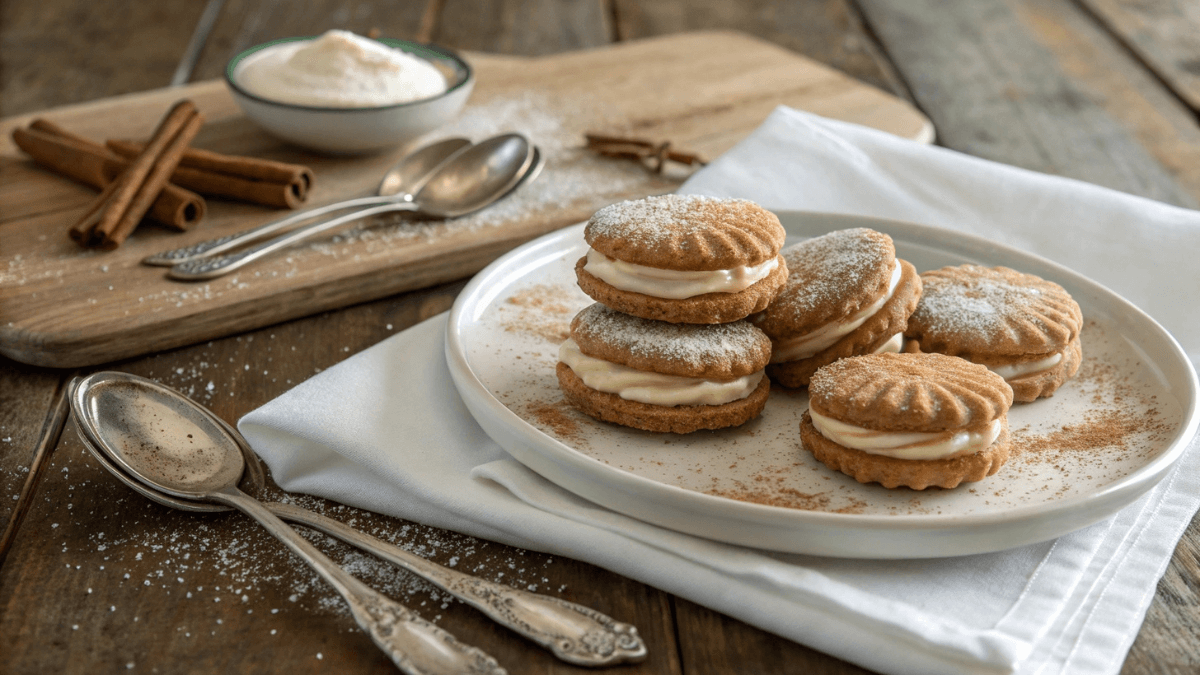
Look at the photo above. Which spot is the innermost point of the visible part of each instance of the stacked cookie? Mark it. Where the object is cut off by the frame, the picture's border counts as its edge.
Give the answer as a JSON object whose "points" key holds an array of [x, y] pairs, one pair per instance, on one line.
{"points": [[910, 377], [667, 346]]}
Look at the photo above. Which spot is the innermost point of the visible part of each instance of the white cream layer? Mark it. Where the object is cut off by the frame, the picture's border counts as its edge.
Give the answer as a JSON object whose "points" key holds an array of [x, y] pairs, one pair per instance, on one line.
{"points": [[674, 284], [654, 388], [905, 444], [1014, 370], [894, 345], [804, 346]]}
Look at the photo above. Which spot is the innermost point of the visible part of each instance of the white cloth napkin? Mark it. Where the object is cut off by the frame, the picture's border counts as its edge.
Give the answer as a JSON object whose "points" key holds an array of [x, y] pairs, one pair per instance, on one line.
{"points": [[386, 431]]}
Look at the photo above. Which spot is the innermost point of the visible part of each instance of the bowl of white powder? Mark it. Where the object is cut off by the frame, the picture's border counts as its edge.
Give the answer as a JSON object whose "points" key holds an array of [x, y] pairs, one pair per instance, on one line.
{"points": [[342, 93]]}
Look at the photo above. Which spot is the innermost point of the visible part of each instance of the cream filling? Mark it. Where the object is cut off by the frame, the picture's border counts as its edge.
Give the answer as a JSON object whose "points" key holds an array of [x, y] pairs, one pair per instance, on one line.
{"points": [[809, 344], [1014, 370], [654, 388], [893, 346], [906, 444], [674, 284]]}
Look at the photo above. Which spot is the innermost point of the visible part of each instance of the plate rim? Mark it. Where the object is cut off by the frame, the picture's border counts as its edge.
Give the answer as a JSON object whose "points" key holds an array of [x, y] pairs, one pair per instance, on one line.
{"points": [[1122, 491]]}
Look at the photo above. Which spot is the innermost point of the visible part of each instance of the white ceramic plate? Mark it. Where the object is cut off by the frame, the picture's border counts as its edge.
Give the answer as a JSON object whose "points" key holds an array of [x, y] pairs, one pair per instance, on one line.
{"points": [[1104, 439]]}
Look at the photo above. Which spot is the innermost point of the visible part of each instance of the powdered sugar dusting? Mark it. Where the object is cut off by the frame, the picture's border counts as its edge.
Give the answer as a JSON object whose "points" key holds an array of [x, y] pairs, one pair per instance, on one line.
{"points": [[979, 305], [691, 346], [573, 176], [829, 277], [654, 220], [686, 232], [978, 309]]}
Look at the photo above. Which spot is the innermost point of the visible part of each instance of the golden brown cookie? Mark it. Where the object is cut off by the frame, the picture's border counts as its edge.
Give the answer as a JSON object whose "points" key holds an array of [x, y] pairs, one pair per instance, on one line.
{"points": [[660, 376], [846, 294], [683, 258], [908, 419], [1019, 325]]}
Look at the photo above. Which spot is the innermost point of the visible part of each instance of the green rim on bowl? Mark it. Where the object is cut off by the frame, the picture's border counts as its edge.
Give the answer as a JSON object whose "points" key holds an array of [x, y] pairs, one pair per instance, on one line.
{"points": [[459, 74]]}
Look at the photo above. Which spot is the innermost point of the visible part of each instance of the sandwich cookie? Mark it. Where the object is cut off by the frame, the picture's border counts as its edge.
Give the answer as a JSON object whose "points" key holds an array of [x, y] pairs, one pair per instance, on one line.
{"points": [[1019, 325], [661, 376], [908, 419], [683, 258], [847, 294]]}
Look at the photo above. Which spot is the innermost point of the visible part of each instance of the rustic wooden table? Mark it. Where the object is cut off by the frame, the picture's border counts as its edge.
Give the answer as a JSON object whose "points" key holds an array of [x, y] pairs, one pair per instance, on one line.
{"points": [[96, 578]]}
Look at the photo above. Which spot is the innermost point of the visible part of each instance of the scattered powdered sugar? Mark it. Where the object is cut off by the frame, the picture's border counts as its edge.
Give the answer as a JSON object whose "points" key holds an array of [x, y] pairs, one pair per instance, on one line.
{"points": [[692, 346], [573, 178], [655, 220], [983, 306], [231, 559], [829, 277]]}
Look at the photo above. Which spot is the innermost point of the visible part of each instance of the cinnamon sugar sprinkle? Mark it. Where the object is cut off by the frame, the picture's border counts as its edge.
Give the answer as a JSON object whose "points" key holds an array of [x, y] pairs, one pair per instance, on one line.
{"points": [[557, 417], [544, 311], [1102, 425]]}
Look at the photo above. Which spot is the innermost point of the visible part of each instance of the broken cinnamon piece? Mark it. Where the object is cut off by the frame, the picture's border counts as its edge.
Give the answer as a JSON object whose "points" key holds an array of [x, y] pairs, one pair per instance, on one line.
{"points": [[250, 179], [641, 149], [91, 164], [117, 212]]}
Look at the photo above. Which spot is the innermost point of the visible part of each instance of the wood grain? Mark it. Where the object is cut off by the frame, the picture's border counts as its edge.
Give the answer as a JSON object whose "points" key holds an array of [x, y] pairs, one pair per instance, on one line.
{"points": [[523, 27], [1097, 64], [994, 92], [1167, 643], [1163, 34], [828, 31], [731, 646], [61, 306], [25, 397], [54, 53]]}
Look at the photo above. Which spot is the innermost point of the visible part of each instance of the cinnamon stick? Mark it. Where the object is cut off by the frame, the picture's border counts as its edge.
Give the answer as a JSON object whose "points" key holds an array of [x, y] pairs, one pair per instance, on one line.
{"points": [[91, 164], [249, 179], [641, 149], [116, 213]]}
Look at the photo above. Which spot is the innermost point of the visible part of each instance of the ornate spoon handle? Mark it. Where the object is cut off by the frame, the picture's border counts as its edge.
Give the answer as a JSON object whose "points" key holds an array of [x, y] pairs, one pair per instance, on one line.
{"points": [[232, 241], [415, 645], [574, 633], [214, 266]]}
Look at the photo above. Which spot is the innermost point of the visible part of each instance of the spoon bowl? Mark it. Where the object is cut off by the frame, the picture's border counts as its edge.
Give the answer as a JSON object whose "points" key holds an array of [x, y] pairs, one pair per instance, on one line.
{"points": [[574, 633], [411, 173], [164, 441], [253, 480], [399, 184], [469, 180]]}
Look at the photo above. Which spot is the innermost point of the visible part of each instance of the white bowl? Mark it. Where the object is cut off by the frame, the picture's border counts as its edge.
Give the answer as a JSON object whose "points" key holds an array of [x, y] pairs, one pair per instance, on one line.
{"points": [[357, 130]]}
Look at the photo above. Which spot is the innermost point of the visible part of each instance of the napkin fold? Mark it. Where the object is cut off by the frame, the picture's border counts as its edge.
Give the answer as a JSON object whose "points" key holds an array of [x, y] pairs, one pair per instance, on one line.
{"points": [[386, 431]]}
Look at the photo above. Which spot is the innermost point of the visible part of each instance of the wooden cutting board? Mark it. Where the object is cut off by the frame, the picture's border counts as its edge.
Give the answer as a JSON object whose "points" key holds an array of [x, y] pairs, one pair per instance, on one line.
{"points": [[63, 306]]}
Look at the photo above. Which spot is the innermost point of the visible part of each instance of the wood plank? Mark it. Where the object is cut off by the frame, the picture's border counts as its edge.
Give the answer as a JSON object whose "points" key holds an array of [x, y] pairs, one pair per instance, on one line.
{"points": [[829, 31], [202, 590], [993, 91], [714, 644], [1168, 643], [245, 23], [1135, 98], [1163, 33], [25, 396], [62, 306], [523, 27], [57, 52]]}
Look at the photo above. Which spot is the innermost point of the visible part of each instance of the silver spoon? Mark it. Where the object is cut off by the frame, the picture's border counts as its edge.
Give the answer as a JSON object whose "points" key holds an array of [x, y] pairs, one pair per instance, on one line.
{"points": [[400, 183], [468, 181], [174, 449], [574, 633]]}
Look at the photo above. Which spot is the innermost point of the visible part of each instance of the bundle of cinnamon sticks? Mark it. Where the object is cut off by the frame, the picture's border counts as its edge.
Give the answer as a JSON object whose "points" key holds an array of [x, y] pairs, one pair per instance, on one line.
{"points": [[159, 179], [657, 153]]}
